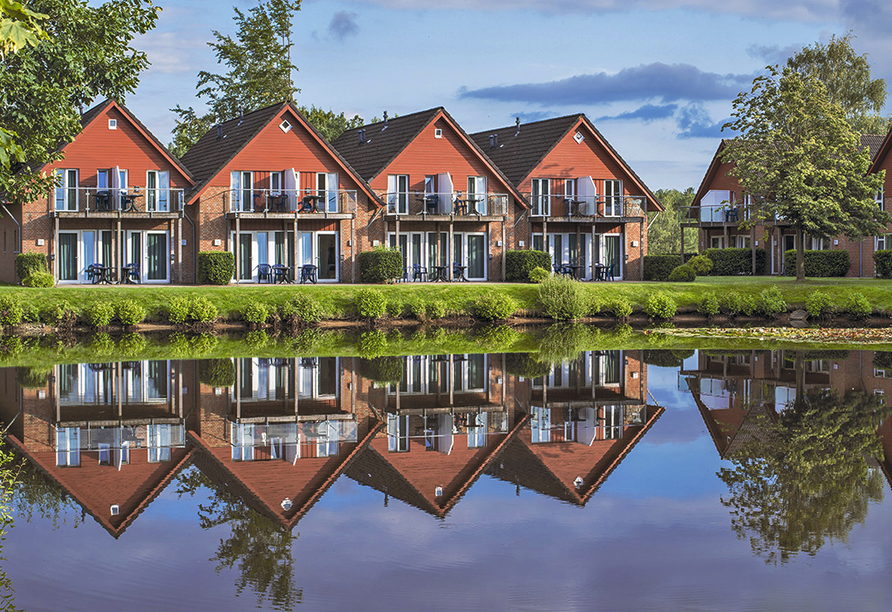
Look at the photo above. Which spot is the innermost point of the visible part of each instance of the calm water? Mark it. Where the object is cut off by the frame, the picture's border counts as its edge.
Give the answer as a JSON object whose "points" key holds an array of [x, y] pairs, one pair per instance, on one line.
{"points": [[621, 480]]}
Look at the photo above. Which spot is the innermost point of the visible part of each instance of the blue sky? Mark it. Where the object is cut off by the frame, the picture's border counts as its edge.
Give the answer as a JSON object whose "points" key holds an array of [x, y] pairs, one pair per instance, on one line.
{"points": [[657, 77]]}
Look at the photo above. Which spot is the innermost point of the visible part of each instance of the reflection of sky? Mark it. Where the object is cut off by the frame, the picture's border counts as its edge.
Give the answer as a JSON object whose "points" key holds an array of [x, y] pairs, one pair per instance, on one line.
{"points": [[654, 537]]}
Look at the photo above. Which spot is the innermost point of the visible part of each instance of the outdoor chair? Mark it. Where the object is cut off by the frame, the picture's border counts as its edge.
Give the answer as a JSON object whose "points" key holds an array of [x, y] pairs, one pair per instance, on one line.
{"points": [[419, 273], [264, 271]]}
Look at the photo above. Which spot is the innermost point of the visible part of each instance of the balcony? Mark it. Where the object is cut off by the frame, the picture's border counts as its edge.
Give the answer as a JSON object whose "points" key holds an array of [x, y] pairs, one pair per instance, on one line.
{"points": [[446, 206], [585, 208], [137, 202], [266, 203], [718, 215]]}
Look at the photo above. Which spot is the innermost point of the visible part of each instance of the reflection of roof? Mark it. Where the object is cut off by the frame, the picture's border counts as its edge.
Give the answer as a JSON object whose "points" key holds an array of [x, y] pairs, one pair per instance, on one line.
{"points": [[414, 476], [263, 485], [97, 487], [551, 468]]}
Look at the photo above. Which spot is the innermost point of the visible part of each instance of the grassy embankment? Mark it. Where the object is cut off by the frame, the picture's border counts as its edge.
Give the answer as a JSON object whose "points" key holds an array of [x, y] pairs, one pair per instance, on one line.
{"points": [[338, 300]]}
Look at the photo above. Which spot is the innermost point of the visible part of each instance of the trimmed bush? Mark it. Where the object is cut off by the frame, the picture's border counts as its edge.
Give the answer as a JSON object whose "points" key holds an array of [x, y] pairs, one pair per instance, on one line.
{"points": [[255, 313], [216, 372], [660, 306], [215, 267], [32, 378], [178, 310], [526, 365], [709, 304], [682, 274], [27, 264], [818, 304], [858, 306], [493, 307], [39, 279], [620, 308], [60, 314], [436, 309], [732, 262], [659, 267], [382, 370], [519, 264], [819, 263], [771, 302], [380, 265], [302, 308], [394, 309], [100, 314], [131, 312], [701, 264], [735, 304], [202, 309], [417, 308], [372, 343], [371, 303], [539, 275], [11, 311], [563, 298], [883, 262]]}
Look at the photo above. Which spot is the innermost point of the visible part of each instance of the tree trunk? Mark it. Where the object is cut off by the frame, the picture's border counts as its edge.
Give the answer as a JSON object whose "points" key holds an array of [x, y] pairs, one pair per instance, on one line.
{"points": [[800, 255]]}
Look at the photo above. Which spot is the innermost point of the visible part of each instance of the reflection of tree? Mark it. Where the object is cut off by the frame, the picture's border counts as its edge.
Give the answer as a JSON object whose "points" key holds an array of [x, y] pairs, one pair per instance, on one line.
{"points": [[257, 546], [804, 477], [35, 494], [8, 474]]}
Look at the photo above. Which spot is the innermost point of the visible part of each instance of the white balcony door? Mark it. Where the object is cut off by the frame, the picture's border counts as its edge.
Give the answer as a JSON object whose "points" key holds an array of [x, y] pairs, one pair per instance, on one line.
{"points": [[541, 197], [151, 251], [157, 191], [477, 193]]}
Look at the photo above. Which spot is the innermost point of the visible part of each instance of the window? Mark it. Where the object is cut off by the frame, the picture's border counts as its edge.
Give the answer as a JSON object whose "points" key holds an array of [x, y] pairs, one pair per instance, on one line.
{"points": [[67, 189], [743, 242], [477, 194], [327, 188], [438, 133], [613, 198], [884, 241], [717, 242], [275, 182], [578, 137], [241, 189], [112, 124], [540, 197], [398, 194], [157, 191], [285, 126], [818, 244], [878, 196]]}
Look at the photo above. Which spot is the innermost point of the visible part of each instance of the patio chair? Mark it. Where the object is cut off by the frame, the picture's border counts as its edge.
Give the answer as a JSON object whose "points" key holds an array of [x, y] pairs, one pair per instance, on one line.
{"points": [[264, 271], [419, 273], [131, 273], [94, 273]]}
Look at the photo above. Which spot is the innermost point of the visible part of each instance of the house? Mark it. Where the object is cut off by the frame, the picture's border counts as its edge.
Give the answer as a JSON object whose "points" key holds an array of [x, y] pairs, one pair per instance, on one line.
{"points": [[444, 203], [271, 190], [587, 205], [110, 435], [118, 206], [721, 205]]}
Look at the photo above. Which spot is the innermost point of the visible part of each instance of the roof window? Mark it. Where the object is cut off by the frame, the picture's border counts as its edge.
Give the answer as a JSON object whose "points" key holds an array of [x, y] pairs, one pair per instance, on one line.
{"points": [[112, 124], [285, 126], [578, 137]]}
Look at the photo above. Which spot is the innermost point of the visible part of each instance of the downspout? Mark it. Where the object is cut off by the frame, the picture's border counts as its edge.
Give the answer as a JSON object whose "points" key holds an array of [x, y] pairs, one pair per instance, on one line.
{"points": [[194, 247]]}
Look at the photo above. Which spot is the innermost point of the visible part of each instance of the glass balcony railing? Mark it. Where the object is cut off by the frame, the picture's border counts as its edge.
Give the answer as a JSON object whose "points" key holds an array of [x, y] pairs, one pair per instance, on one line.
{"points": [[585, 206], [131, 200], [310, 201], [453, 203]]}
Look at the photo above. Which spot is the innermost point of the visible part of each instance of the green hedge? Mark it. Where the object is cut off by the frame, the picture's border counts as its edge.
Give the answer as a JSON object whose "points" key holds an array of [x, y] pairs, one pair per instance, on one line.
{"points": [[27, 264], [818, 263], [883, 262], [215, 267], [380, 265], [733, 262], [519, 264], [659, 267]]}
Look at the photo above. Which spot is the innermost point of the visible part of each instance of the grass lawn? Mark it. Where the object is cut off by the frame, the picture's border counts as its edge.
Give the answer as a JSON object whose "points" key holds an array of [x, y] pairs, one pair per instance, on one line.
{"points": [[337, 300]]}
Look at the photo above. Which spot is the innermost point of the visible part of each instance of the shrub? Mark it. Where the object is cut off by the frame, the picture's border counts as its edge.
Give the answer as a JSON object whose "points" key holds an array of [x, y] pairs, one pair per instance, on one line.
{"points": [[417, 308], [818, 263], [526, 365], [202, 309], [563, 298], [27, 264], [771, 302], [255, 313], [883, 262], [538, 275], [178, 310], [60, 314], [519, 264], [436, 309], [131, 312], [709, 304], [659, 267], [818, 304], [660, 306], [215, 267], [380, 265], [132, 344], [372, 343], [39, 279], [11, 311], [701, 264], [731, 262], [732, 303], [620, 308], [33, 378], [682, 274], [302, 308], [394, 309], [493, 307], [371, 303], [100, 314], [216, 372], [382, 370], [858, 306]]}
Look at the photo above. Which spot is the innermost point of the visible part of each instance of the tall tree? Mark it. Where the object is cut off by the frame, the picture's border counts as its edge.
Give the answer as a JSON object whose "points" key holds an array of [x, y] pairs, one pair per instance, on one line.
{"points": [[802, 161], [664, 230], [86, 55], [846, 75]]}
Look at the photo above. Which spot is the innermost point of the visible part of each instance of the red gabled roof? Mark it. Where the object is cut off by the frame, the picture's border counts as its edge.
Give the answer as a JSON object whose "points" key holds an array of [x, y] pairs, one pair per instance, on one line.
{"points": [[714, 166]]}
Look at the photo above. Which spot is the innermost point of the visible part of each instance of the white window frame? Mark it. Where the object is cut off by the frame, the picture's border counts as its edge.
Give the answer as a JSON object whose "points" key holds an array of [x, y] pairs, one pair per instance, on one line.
{"points": [[540, 196], [398, 194], [613, 198], [143, 254], [477, 190], [158, 196], [66, 195]]}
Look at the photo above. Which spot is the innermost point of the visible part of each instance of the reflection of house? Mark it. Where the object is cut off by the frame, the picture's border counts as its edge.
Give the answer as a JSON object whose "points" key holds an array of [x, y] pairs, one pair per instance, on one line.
{"points": [[273, 191], [111, 435], [283, 433], [119, 201], [446, 203], [586, 204], [720, 206], [446, 420], [586, 414]]}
